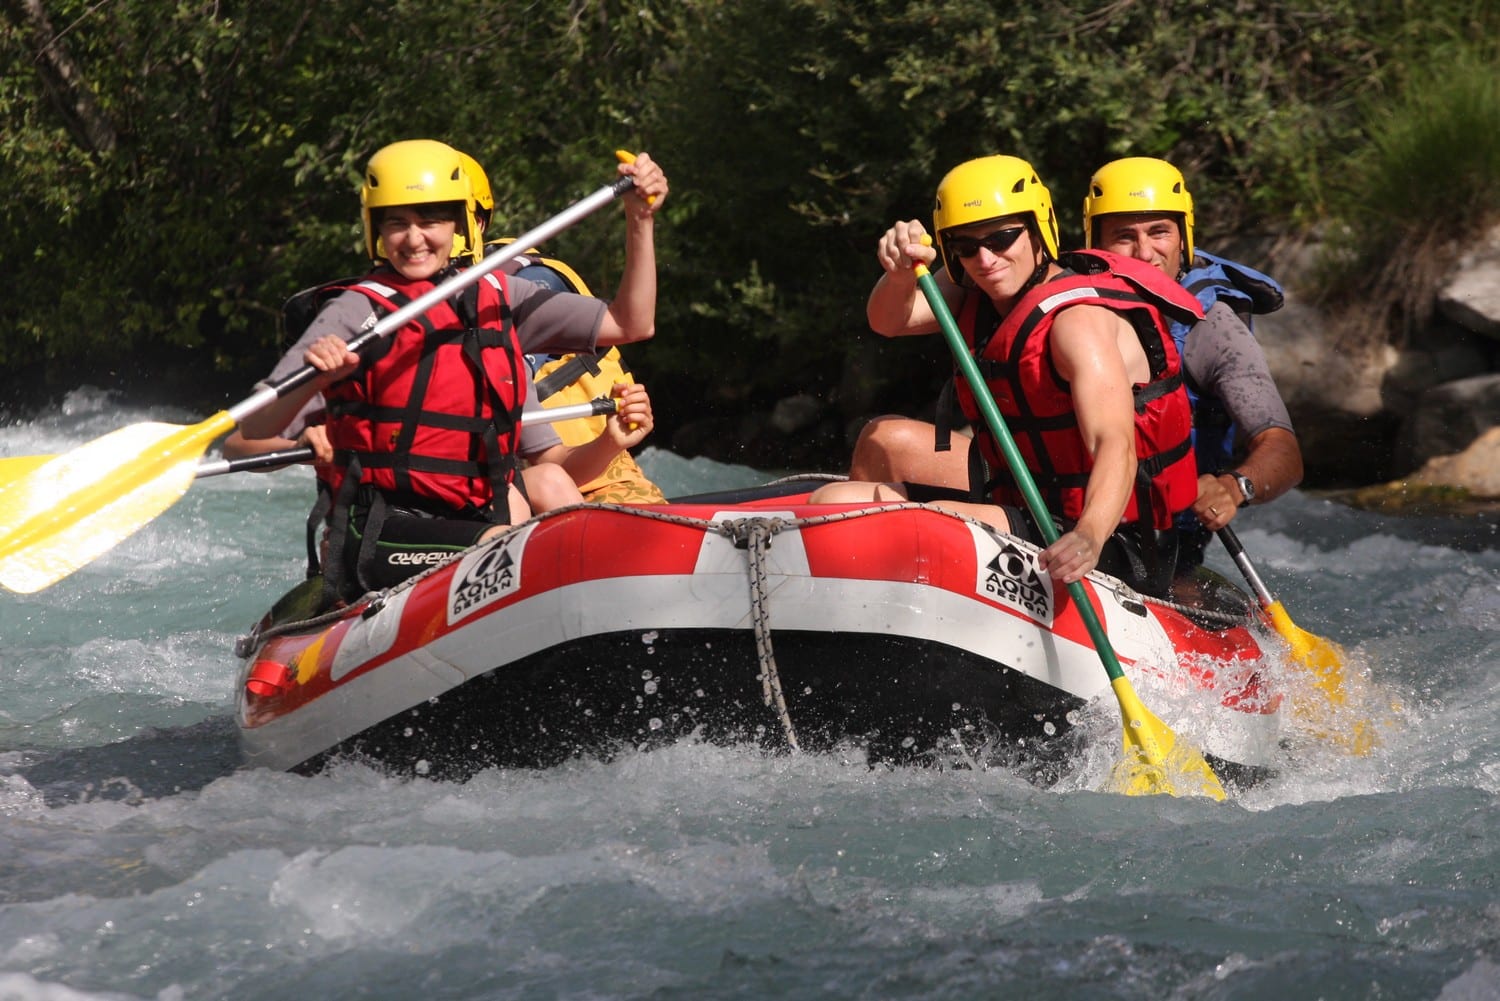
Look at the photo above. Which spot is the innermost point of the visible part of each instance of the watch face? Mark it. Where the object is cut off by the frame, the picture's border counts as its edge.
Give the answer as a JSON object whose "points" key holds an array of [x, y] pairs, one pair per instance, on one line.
{"points": [[1246, 485]]}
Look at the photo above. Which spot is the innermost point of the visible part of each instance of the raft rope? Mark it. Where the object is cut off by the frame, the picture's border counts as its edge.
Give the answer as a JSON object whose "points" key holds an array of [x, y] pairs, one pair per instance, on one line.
{"points": [[754, 534], [245, 645]]}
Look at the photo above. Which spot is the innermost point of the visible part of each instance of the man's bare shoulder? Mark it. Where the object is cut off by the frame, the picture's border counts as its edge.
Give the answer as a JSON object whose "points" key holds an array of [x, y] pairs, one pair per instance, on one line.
{"points": [[1087, 320]]}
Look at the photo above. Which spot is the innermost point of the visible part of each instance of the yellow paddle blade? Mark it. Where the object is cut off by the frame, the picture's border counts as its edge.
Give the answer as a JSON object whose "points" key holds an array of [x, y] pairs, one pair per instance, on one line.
{"points": [[1323, 657], [1326, 662], [1155, 760], [71, 510], [17, 466]]}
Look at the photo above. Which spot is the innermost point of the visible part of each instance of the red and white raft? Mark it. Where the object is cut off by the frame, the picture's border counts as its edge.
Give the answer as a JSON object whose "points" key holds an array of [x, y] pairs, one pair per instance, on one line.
{"points": [[749, 616]]}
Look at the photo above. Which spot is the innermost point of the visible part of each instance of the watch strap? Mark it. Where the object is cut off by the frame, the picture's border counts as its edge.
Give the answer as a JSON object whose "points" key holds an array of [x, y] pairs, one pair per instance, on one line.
{"points": [[1247, 488]]}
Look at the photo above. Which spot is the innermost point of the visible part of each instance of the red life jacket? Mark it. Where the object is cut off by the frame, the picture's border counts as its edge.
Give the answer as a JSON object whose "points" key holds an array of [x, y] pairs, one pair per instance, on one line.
{"points": [[1015, 357], [431, 417]]}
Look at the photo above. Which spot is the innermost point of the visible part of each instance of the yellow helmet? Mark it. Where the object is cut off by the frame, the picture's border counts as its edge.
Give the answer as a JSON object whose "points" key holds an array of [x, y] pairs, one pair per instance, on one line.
{"points": [[992, 187], [1139, 184], [484, 200], [417, 172]]}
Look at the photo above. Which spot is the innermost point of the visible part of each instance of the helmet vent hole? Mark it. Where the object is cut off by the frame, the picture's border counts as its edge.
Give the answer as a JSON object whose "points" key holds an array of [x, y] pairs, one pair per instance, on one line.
{"points": [[1019, 186]]}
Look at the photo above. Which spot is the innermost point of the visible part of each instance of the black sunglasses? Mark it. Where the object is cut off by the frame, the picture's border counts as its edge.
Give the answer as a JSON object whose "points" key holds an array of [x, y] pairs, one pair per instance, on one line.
{"points": [[996, 243]]}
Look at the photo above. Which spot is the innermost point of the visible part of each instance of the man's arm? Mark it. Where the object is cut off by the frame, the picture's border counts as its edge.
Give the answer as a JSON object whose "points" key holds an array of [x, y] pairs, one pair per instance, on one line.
{"points": [[1273, 463], [1086, 347], [896, 306], [1225, 360]]}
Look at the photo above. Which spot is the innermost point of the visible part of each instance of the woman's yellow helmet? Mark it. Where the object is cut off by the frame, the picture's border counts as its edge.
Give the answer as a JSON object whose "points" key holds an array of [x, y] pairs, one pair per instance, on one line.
{"points": [[418, 172]]}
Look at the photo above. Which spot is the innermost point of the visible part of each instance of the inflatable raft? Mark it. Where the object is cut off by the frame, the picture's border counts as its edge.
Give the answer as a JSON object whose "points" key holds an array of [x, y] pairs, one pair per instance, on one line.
{"points": [[741, 617]]}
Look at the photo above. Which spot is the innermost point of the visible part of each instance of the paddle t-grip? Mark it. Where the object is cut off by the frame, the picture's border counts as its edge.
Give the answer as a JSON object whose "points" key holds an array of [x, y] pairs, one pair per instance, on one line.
{"points": [[625, 156]]}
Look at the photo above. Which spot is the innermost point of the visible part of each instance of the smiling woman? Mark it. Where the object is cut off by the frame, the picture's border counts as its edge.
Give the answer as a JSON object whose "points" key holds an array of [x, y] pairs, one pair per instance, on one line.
{"points": [[425, 433], [421, 183], [418, 240]]}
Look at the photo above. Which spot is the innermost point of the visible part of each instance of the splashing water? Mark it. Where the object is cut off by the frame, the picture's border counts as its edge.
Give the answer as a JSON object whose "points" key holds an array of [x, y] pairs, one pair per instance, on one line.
{"points": [[138, 861]]}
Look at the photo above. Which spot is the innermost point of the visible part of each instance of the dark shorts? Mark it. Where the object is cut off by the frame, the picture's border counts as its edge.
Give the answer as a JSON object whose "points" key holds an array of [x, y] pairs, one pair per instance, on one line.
{"points": [[1193, 548], [409, 542]]}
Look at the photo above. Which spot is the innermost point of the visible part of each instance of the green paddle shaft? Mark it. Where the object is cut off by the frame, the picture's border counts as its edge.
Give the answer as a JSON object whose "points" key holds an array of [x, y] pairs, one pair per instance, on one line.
{"points": [[1013, 460]]}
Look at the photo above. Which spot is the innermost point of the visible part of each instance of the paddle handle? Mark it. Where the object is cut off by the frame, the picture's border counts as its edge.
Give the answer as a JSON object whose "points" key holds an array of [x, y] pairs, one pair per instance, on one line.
{"points": [[625, 156], [266, 460], [268, 394], [601, 406], [965, 359], [1242, 560]]}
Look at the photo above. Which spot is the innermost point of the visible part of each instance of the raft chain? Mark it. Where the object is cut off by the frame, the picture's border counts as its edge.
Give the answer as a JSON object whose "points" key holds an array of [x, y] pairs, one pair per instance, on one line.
{"points": [[754, 535]]}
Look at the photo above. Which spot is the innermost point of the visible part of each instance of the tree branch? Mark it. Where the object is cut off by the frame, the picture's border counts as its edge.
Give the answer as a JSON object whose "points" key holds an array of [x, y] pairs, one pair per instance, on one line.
{"points": [[71, 95]]}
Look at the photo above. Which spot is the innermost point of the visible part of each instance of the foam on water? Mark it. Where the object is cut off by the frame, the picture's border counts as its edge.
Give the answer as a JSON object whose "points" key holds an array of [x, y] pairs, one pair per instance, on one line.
{"points": [[137, 861], [808, 870]]}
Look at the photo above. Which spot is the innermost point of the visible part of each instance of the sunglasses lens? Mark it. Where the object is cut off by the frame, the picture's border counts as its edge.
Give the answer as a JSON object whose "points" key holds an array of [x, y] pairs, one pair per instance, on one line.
{"points": [[996, 243]]}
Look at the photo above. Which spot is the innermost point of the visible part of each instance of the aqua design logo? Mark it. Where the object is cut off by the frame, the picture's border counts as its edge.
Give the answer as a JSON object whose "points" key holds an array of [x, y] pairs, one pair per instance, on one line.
{"points": [[1012, 577], [485, 576]]}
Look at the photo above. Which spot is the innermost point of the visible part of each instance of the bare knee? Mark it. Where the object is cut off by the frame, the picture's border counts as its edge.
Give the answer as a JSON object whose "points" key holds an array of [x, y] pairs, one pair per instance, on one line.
{"points": [[857, 492], [895, 449], [548, 486], [992, 515]]}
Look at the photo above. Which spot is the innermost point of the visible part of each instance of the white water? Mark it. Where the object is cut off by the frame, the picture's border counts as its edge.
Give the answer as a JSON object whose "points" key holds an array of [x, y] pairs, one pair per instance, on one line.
{"points": [[137, 862]]}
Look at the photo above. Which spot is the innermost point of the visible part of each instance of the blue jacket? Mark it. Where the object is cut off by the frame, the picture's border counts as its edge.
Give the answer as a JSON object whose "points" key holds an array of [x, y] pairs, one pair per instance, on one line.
{"points": [[1246, 291]]}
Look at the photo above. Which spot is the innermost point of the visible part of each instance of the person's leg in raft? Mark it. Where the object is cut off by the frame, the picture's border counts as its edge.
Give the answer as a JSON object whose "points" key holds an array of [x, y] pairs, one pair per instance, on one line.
{"points": [[519, 511], [858, 492], [893, 449], [862, 492], [549, 487]]}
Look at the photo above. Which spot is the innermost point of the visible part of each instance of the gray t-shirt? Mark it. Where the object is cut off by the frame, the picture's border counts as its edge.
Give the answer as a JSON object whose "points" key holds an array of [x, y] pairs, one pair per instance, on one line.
{"points": [[547, 322], [1225, 360]]}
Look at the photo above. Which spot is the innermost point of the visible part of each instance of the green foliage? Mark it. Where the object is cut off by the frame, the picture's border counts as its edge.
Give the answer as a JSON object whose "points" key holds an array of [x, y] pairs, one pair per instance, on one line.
{"points": [[202, 161], [238, 131], [1420, 186], [809, 126]]}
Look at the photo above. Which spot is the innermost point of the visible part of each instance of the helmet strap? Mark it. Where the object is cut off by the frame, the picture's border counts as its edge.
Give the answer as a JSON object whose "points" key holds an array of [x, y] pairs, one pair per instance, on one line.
{"points": [[1039, 275]]}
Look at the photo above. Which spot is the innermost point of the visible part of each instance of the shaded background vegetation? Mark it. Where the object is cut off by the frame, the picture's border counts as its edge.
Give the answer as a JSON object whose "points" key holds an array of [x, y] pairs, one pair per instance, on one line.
{"points": [[174, 170]]}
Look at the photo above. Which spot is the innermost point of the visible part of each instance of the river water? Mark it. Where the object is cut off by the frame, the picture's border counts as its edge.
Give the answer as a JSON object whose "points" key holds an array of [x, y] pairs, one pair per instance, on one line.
{"points": [[137, 860]]}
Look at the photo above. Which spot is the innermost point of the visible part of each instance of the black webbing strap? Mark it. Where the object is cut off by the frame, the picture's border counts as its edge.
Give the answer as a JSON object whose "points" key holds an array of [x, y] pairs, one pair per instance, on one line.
{"points": [[504, 421], [565, 375], [335, 573], [369, 543], [315, 519]]}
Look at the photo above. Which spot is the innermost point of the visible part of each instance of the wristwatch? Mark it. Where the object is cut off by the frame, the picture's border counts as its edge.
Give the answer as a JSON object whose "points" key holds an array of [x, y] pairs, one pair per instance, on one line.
{"points": [[1246, 485]]}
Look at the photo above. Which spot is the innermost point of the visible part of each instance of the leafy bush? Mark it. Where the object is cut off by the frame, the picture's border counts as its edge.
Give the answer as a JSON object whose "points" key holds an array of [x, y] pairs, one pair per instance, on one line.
{"points": [[175, 170], [1420, 187]]}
